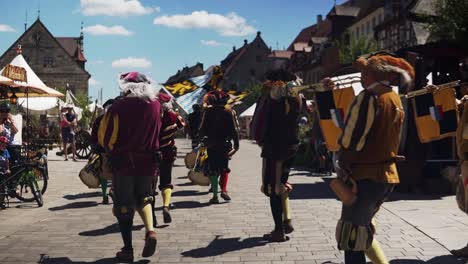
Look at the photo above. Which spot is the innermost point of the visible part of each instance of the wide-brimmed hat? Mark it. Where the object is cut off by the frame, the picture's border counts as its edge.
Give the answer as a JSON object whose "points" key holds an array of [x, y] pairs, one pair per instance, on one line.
{"points": [[387, 63]]}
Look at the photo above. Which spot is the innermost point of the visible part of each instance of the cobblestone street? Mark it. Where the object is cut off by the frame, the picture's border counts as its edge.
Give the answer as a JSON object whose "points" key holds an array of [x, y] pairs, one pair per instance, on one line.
{"points": [[74, 227]]}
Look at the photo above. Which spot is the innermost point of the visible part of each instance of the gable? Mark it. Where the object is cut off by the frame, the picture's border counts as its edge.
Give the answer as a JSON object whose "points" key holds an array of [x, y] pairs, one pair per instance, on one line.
{"points": [[43, 52]]}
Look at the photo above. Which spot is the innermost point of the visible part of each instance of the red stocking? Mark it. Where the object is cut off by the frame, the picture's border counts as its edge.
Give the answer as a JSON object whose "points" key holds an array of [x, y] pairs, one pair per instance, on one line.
{"points": [[224, 180]]}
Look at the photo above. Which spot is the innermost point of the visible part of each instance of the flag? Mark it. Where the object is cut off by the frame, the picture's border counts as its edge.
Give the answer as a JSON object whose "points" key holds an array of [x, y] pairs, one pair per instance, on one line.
{"points": [[332, 108], [187, 100], [236, 97], [436, 114], [181, 88]]}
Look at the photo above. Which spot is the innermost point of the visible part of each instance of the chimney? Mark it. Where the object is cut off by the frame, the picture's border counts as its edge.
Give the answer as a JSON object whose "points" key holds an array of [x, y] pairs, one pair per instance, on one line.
{"points": [[319, 19], [233, 48], [259, 33], [245, 42]]}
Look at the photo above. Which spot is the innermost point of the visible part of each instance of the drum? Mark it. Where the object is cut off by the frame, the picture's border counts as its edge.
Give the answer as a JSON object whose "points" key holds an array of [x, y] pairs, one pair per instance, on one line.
{"points": [[106, 170], [191, 159], [89, 175], [199, 178]]}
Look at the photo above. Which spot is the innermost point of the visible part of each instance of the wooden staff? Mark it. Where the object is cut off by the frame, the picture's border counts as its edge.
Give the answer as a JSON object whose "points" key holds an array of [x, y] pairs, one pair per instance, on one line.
{"points": [[425, 91]]}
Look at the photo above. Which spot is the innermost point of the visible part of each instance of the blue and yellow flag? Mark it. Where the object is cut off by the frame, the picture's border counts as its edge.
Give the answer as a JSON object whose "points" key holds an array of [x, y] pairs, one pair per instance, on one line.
{"points": [[436, 115]]}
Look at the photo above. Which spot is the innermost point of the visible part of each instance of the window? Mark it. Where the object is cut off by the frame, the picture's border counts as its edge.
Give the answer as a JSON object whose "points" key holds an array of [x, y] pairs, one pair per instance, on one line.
{"points": [[357, 32], [252, 72], [48, 61], [368, 27], [373, 22]]}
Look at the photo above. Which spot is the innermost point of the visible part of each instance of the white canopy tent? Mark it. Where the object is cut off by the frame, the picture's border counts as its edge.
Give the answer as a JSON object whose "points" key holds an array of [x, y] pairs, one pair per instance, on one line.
{"points": [[34, 83], [249, 112]]}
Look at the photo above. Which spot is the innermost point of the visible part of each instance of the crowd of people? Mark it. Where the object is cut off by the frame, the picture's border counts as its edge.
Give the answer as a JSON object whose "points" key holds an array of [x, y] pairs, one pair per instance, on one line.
{"points": [[366, 166]]}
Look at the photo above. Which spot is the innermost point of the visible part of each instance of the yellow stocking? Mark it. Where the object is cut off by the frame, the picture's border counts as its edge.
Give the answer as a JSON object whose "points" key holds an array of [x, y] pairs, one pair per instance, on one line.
{"points": [[147, 216], [166, 195], [286, 208], [376, 254]]}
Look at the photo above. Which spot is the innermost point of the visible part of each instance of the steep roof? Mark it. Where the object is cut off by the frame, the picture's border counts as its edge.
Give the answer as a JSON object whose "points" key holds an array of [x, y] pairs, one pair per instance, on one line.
{"points": [[283, 54], [185, 73], [320, 30], [231, 59], [38, 22], [72, 46], [344, 10]]}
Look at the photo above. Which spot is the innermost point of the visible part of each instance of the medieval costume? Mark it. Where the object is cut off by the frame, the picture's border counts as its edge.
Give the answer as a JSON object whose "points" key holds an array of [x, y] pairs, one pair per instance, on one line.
{"points": [[369, 147], [129, 132], [219, 126], [462, 150], [194, 120], [171, 122], [100, 150], [279, 143]]}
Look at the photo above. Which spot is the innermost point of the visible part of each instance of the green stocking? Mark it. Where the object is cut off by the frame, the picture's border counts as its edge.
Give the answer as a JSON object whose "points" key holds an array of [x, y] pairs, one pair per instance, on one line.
{"points": [[214, 185], [104, 187]]}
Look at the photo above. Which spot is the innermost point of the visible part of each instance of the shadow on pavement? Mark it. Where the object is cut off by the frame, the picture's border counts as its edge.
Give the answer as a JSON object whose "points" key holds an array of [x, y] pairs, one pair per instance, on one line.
{"points": [[186, 184], [396, 196], [82, 195], [75, 205], [183, 177], [64, 260], [447, 259], [189, 204], [114, 228], [304, 191], [188, 193], [221, 246]]}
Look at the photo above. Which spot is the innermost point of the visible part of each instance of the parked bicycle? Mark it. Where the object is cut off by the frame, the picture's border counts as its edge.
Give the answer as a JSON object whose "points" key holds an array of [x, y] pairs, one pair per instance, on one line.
{"points": [[28, 179]]}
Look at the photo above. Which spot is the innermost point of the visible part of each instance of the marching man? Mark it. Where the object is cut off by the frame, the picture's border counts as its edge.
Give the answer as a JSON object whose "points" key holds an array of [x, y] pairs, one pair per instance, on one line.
{"points": [[369, 148], [129, 133], [171, 122]]}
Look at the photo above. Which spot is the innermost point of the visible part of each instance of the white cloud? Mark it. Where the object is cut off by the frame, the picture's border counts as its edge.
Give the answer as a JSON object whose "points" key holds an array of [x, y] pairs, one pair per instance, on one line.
{"points": [[93, 82], [105, 30], [131, 62], [115, 8], [212, 43], [228, 25], [6, 28]]}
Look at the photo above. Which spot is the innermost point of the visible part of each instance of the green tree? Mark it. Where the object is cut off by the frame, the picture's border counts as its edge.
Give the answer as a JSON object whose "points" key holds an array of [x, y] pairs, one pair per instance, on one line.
{"points": [[451, 22], [83, 102], [350, 48], [255, 91]]}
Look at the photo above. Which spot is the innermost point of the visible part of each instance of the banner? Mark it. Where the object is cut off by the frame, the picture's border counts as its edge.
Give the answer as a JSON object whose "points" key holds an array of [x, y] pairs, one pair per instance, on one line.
{"points": [[15, 73], [333, 107], [235, 97], [435, 114], [181, 88]]}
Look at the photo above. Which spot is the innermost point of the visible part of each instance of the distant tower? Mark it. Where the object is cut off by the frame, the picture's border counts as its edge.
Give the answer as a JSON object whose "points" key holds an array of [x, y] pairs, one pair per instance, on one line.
{"points": [[81, 42], [26, 21]]}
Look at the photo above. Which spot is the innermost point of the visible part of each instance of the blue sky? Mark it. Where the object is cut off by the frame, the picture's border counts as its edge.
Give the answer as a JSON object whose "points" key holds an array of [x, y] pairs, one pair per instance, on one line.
{"points": [[158, 37]]}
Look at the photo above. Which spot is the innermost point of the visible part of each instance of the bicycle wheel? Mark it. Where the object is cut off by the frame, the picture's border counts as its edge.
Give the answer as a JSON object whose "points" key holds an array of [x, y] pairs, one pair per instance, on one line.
{"points": [[23, 191], [36, 193]]}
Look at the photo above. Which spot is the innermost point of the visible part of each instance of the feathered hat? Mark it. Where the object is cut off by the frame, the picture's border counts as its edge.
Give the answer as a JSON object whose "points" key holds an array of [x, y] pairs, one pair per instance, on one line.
{"points": [[136, 84], [216, 97], [166, 101], [387, 63]]}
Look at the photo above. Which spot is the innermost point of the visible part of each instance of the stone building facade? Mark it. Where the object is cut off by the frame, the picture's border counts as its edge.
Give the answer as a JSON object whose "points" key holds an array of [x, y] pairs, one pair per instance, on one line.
{"points": [[246, 65], [59, 62]]}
